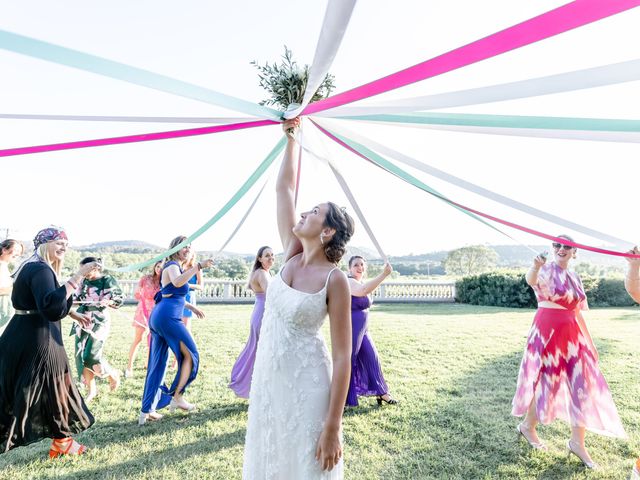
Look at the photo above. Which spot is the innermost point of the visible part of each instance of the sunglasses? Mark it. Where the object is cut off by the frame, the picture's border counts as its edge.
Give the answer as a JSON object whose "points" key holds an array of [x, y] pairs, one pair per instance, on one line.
{"points": [[559, 246]]}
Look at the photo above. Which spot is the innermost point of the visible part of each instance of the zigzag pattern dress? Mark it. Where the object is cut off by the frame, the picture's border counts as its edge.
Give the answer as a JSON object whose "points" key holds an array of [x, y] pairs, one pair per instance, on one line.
{"points": [[559, 372]]}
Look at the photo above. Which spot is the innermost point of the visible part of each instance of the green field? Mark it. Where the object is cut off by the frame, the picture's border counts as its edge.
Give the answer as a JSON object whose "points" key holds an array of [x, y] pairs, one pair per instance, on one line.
{"points": [[453, 368]]}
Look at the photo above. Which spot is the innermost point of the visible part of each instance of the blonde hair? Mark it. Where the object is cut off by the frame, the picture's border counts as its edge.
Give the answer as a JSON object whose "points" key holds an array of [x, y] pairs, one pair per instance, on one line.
{"points": [[43, 253]]}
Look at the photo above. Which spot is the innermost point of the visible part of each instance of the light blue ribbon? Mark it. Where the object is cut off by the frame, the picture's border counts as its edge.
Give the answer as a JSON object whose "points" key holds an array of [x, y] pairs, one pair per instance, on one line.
{"points": [[221, 213], [120, 71], [507, 121]]}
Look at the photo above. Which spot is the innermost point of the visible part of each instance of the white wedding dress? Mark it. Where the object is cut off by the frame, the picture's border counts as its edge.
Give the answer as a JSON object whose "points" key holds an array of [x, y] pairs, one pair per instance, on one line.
{"points": [[290, 386]]}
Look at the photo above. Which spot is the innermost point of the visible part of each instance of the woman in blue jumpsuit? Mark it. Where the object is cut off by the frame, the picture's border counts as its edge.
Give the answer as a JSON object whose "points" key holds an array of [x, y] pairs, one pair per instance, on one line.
{"points": [[168, 332]]}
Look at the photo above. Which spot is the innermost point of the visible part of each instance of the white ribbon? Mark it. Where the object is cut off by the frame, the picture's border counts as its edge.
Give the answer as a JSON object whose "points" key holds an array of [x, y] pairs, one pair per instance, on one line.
{"points": [[471, 187], [591, 135], [334, 26], [564, 82], [121, 118], [304, 144]]}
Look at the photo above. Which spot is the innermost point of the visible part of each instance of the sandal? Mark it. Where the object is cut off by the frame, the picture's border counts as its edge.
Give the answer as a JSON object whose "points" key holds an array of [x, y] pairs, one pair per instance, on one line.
{"points": [[65, 446], [390, 401], [148, 417], [534, 445], [182, 405]]}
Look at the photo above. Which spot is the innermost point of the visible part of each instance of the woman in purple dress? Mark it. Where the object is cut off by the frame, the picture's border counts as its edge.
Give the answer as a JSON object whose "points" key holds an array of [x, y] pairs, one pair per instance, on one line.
{"points": [[258, 282], [366, 374]]}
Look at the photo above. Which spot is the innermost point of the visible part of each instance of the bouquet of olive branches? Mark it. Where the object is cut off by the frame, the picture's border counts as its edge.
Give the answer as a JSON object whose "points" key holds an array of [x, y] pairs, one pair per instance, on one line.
{"points": [[287, 82]]}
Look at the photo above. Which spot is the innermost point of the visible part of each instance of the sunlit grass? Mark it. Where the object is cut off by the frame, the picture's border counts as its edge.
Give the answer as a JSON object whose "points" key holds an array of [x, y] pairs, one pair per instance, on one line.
{"points": [[453, 368]]}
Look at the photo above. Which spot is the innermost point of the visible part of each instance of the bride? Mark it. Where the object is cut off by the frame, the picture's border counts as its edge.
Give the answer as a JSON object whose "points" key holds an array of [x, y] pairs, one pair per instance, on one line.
{"points": [[294, 429]]}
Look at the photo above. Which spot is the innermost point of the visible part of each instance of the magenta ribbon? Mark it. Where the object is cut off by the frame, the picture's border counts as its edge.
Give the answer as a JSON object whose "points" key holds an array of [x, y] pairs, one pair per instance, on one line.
{"points": [[143, 137], [562, 240], [562, 19]]}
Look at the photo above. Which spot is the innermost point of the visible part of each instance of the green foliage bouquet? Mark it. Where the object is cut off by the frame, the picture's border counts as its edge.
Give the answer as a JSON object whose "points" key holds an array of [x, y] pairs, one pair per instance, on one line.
{"points": [[286, 82]]}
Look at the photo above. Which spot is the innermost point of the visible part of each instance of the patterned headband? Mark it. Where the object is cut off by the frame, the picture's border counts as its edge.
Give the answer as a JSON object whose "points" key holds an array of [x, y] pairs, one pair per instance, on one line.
{"points": [[49, 234]]}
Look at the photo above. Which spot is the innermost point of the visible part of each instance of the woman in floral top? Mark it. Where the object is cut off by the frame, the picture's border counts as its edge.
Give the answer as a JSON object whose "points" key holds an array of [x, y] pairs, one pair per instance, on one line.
{"points": [[96, 295], [146, 290], [559, 374]]}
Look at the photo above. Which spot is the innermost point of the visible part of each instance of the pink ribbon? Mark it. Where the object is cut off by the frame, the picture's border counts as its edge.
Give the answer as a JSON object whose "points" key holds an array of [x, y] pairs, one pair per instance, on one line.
{"points": [[553, 22], [143, 137], [531, 231]]}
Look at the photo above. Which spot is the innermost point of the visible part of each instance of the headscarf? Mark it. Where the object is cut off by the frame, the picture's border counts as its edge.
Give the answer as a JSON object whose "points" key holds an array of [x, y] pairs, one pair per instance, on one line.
{"points": [[49, 234], [45, 235]]}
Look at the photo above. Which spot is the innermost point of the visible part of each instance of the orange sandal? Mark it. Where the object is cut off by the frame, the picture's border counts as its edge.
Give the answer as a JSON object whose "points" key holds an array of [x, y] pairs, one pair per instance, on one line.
{"points": [[65, 446]]}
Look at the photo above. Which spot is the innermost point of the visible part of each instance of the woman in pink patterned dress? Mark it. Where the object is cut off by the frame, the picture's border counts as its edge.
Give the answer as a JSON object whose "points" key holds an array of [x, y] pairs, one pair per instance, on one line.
{"points": [[559, 374], [145, 291]]}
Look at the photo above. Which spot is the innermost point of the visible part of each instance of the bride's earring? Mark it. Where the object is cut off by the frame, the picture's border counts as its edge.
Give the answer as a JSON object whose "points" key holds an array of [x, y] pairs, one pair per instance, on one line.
{"points": [[322, 239]]}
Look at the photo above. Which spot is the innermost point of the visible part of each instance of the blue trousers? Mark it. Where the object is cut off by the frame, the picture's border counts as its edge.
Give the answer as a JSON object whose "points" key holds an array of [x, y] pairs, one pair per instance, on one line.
{"points": [[167, 332]]}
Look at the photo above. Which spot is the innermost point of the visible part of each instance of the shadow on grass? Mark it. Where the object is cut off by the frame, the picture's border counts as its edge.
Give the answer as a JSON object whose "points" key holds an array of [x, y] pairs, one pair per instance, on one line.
{"points": [[470, 433], [119, 432], [167, 456]]}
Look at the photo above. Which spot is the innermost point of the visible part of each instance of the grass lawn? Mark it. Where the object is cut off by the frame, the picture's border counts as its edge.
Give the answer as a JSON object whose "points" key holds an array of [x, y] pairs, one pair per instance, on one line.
{"points": [[453, 368]]}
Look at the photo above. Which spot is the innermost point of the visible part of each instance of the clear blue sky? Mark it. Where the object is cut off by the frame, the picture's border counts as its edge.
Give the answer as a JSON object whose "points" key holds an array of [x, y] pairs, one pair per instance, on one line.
{"points": [[153, 191]]}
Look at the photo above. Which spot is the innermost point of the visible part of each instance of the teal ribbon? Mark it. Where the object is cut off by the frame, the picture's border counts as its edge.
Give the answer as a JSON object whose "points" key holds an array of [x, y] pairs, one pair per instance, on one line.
{"points": [[507, 121], [246, 186], [120, 71], [407, 177]]}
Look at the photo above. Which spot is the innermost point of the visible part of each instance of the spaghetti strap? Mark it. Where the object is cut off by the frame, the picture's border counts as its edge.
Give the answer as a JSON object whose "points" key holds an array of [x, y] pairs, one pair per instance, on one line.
{"points": [[329, 276]]}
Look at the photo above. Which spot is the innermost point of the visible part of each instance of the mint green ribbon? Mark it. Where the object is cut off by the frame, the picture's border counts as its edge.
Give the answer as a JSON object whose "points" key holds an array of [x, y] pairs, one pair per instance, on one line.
{"points": [[120, 71], [407, 177], [246, 186], [507, 121]]}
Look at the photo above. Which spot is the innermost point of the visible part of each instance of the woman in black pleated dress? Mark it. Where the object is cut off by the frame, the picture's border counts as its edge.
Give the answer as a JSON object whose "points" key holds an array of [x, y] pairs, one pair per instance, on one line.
{"points": [[38, 397]]}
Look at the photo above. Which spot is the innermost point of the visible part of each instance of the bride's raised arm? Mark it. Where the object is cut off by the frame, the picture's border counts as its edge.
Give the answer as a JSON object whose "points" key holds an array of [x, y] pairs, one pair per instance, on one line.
{"points": [[285, 194]]}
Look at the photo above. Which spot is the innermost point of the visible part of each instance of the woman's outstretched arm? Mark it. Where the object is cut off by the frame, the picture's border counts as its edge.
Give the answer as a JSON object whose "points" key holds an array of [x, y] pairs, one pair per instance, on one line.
{"points": [[285, 194]]}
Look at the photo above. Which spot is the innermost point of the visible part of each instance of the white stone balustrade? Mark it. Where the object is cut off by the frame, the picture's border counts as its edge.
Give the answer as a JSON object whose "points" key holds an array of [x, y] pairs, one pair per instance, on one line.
{"points": [[236, 291]]}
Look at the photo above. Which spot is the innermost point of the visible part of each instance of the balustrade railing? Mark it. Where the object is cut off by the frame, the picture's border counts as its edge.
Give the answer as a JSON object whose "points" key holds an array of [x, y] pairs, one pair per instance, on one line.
{"points": [[236, 291]]}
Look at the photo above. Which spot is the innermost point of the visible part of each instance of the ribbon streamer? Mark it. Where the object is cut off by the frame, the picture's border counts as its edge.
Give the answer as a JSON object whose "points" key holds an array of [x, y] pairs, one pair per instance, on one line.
{"points": [[398, 172], [31, 47], [360, 149], [253, 178], [334, 26], [508, 121], [562, 19], [242, 220], [121, 118], [563, 82], [143, 137], [478, 190], [347, 191], [590, 135]]}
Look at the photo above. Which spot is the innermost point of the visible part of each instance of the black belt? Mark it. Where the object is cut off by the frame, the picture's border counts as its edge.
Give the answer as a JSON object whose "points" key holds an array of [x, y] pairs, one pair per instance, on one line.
{"points": [[26, 312]]}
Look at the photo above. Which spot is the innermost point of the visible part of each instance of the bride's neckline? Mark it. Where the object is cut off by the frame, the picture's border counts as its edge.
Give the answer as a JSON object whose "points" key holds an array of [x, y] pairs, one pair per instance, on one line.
{"points": [[300, 291]]}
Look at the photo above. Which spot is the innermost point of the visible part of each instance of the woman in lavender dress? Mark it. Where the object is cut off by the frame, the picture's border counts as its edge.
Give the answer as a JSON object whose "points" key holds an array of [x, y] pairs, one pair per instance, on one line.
{"points": [[366, 374], [258, 282]]}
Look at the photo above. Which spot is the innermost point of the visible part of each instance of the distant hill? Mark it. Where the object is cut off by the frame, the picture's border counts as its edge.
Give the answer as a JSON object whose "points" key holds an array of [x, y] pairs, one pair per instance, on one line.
{"points": [[508, 255], [121, 246]]}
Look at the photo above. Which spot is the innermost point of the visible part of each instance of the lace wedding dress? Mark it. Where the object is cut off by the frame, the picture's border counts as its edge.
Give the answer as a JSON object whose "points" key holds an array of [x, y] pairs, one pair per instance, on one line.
{"points": [[289, 388]]}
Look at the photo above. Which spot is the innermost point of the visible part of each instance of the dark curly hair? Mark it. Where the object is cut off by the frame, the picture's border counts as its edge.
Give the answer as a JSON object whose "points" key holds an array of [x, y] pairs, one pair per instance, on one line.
{"points": [[342, 223]]}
